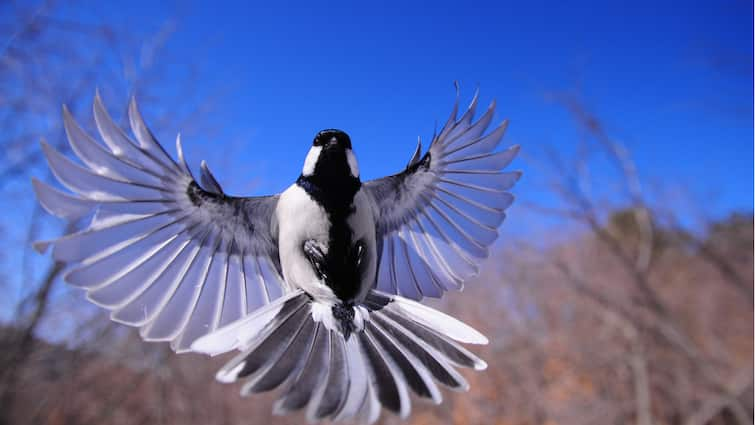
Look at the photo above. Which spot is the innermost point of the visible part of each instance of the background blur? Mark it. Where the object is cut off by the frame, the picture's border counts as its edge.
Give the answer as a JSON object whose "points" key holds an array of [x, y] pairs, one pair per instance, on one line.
{"points": [[620, 292]]}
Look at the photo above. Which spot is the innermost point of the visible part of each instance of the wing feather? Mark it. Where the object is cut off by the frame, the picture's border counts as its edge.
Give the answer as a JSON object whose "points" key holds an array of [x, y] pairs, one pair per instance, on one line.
{"points": [[437, 219], [162, 252]]}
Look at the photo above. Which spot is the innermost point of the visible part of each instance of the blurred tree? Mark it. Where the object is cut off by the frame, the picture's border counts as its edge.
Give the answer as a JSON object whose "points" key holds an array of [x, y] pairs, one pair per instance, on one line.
{"points": [[53, 53], [664, 298], [630, 317]]}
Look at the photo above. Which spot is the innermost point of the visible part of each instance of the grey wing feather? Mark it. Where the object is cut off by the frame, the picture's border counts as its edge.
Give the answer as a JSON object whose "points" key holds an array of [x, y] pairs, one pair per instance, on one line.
{"points": [[163, 253], [437, 219]]}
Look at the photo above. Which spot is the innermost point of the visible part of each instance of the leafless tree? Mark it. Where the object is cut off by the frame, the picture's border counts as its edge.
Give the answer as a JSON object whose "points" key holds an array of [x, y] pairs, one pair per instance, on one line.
{"points": [[48, 57], [656, 284], [626, 317]]}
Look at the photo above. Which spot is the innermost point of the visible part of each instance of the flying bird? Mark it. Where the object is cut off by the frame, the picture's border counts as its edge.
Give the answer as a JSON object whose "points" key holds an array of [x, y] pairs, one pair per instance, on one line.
{"points": [[317, 287]]}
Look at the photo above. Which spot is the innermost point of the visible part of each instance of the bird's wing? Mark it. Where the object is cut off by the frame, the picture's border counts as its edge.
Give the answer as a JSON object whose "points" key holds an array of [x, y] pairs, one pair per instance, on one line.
{"points": [[437, 219], [162, 252]]}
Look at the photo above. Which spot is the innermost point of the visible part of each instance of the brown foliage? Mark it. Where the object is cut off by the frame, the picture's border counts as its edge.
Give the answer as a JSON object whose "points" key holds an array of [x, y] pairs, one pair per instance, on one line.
{"points": [[567, 346]]}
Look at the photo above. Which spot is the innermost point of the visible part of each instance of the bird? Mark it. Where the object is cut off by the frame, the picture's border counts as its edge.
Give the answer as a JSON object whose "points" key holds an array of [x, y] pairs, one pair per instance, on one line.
{"points": [[318, 288]]}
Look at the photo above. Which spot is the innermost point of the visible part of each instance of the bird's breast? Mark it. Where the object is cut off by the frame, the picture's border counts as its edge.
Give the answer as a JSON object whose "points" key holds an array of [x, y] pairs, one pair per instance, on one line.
{"points": [[301, 218]]}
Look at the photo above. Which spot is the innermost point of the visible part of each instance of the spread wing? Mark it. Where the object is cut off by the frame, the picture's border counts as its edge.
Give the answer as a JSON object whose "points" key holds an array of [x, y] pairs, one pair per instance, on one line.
{"points": [[437, 219], [162, 252]]}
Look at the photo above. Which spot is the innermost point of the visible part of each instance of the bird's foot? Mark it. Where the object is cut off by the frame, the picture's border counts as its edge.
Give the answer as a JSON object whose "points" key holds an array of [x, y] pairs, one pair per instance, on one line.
{"points": [[313, 250]]}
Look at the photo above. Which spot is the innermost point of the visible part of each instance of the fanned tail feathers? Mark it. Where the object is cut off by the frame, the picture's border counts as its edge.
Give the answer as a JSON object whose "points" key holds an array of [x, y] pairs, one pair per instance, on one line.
{"points": [[399, 347]]}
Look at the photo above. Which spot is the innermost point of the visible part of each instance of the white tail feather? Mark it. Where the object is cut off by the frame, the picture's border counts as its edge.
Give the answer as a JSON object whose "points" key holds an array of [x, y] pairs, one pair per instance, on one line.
{"points": [[440, 322], [235, 335]]}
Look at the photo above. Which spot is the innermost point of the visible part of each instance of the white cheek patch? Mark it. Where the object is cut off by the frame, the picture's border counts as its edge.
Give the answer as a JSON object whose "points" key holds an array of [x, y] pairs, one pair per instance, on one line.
{"points": [[311, 161], [353, 166]]}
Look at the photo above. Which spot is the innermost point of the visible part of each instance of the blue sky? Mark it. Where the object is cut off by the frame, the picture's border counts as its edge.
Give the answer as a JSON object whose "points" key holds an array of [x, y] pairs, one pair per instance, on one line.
{"points": [[674, 84]]}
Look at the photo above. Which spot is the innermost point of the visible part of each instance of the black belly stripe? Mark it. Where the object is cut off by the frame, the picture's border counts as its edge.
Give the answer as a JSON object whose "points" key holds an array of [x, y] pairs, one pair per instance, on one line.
{"points": [[332, 186]]}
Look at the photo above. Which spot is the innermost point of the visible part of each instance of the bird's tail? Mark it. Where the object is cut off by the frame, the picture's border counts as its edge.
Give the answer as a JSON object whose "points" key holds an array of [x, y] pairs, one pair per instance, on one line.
{"points": [[338, 370]]}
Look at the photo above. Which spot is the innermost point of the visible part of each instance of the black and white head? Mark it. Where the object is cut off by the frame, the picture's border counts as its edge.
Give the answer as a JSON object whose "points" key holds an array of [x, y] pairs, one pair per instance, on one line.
{"points": [[331, 157]]}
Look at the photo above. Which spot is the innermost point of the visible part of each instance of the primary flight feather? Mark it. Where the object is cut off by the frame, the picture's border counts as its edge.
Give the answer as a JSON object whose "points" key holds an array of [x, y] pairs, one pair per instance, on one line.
{"points": [[316, 287]]}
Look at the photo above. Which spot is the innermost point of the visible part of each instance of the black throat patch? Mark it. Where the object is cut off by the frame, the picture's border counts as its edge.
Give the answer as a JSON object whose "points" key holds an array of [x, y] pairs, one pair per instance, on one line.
{"points": [[333, 187]]}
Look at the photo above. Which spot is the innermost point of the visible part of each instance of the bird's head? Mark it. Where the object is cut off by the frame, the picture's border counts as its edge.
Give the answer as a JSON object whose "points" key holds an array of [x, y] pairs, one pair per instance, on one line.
{"points": [[331, 156]]}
